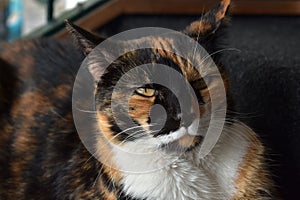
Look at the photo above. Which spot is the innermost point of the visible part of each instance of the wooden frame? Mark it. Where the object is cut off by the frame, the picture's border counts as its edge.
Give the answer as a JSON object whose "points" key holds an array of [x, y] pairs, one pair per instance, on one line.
{"points": [[114, 8]]}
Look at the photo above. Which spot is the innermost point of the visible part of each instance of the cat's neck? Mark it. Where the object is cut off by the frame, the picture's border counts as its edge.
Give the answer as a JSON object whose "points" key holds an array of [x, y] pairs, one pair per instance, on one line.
{"points": [[186, 176]]}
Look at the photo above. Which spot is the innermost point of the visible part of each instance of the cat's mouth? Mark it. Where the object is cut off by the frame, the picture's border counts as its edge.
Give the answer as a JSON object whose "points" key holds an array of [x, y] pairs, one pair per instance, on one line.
{"points": [[185, 138]]}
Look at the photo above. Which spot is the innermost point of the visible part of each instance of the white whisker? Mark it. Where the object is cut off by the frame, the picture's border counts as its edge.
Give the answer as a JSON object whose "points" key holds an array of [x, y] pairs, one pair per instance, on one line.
{"points": [[86, 111], [219, 51]]}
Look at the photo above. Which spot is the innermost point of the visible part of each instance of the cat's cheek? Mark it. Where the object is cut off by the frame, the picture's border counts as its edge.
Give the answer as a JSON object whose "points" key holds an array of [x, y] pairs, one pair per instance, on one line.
{"points": [[105, 128], [105, 155], [140, 111]]}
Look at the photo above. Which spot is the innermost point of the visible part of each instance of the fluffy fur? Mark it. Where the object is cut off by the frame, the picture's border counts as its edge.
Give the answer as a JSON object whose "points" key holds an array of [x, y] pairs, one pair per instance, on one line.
{"points": [[42, 156]]}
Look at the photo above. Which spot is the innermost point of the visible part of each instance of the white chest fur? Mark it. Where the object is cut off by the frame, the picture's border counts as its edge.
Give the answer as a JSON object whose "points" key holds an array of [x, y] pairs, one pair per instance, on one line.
{"points": [[171, 176]]}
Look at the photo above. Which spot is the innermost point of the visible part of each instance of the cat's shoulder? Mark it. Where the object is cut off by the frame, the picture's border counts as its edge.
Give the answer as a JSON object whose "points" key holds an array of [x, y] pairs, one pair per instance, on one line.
{"points": [[38, 67], [36, 81], [45, 54]]}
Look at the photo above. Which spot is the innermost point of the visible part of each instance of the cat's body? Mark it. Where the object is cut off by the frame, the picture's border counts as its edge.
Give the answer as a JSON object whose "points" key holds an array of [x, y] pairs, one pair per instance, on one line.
{"points": [[39, 117], [220, 175], [42, 156]]}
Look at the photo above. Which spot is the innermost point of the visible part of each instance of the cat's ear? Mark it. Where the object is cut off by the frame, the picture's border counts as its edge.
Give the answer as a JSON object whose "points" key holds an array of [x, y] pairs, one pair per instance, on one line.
{"points": [[209, 23], [86, 40]]}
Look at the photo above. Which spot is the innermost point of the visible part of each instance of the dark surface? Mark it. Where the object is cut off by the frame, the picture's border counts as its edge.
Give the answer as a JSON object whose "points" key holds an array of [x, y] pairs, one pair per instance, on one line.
{"points": [[265, 82]]}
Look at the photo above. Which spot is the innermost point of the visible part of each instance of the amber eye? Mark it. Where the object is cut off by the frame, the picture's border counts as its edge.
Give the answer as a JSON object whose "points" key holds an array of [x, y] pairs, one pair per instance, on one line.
{"points": [[146, 92], [199, 84]]}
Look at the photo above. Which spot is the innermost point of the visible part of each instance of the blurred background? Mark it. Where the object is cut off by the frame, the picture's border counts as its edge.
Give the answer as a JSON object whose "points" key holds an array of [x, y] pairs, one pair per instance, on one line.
{"points": [[33, 18], [20, 17]]}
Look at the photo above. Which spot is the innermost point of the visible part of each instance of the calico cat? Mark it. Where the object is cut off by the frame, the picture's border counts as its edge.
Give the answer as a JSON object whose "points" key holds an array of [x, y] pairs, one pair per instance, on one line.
{"points": [[42, 156]]}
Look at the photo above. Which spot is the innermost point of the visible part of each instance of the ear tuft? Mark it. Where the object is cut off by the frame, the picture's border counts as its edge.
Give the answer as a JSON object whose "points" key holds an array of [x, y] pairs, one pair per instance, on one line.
{"points": [[210, 21], [85, 39]]}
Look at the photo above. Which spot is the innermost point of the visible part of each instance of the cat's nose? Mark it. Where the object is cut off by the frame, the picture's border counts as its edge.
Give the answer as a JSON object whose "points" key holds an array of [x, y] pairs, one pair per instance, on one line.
{"points": [[187, 119], [172, 124]]}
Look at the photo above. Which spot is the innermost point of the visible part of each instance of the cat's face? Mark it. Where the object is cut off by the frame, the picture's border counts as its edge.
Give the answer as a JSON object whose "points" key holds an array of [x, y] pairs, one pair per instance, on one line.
{"points": [[150, 124], [176, 127]]}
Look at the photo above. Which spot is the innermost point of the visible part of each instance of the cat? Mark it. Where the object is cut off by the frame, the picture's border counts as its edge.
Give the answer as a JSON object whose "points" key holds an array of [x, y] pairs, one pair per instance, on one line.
{"points": [[42, 156]]}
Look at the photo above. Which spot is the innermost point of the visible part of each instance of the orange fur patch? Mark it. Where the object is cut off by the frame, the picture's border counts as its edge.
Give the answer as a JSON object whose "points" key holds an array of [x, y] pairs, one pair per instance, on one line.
{"points": [[140, 108], [62, 91], [25, 144], [104, 126], [199, 27], [187, 141], [107, 195], [252, 177], [221, 14], [104, 152]]}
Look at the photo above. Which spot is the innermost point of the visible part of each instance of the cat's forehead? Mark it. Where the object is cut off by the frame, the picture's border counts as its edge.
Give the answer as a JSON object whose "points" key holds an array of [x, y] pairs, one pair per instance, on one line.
{"points": [[162, 42], [164, 50]]}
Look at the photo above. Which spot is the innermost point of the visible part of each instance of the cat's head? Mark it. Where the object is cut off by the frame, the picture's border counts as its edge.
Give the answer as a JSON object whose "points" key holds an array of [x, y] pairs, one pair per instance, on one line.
{"points": [[169, 130]]}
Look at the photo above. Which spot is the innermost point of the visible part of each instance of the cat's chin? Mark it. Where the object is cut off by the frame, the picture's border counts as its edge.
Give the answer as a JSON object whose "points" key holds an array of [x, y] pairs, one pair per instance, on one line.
{"points": [[184, 144], [183, 139]]}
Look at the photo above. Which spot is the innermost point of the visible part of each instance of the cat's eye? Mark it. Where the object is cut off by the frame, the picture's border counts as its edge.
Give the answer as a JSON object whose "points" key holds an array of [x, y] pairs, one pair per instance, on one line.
{"points": [[199, 84], [146, 92]]}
